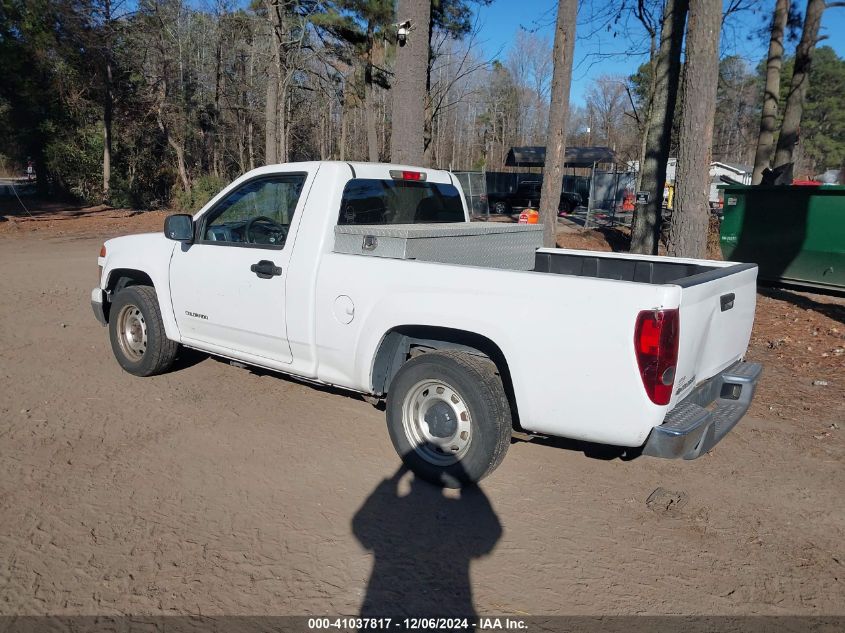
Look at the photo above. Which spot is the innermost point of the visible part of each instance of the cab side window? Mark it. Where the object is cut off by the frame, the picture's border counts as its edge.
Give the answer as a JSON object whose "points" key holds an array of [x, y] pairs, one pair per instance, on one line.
{"points": [[258, 213]]}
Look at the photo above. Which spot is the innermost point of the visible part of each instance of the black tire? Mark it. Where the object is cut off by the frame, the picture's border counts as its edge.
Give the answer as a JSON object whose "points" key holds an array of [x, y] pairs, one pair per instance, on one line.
{"points": [[137, 307], [475, 382], [501, 208]]}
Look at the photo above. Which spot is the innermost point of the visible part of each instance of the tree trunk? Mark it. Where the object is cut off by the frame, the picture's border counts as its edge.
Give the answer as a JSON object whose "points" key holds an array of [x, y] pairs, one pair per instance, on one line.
{"points": [[648, 114], [178, 148], [409, 94], [771, 94], [218, 89], [250, 126], [250, 133], [274, 78], [691, 215], [794, 109], [344, 126], [241, 114], [645, 229], [558, 114], [271, 112], [372, 132], [180, 161], [429, 156], [284, 151], [108, 104], [369, 99]]}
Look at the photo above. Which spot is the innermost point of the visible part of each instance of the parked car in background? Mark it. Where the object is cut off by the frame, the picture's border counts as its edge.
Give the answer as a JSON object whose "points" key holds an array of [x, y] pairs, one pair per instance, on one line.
{"points": [[527, 195]]}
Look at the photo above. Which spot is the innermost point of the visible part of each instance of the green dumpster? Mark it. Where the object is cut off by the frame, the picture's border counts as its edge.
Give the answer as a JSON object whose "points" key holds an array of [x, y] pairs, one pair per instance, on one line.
{"points": [[795, 234]]}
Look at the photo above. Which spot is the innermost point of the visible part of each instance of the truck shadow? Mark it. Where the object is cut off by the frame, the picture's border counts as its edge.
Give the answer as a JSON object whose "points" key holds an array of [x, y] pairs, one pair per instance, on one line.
{"points": [[187, 358], [589, 449], [260, 371], [604, 452], [422, 544]]}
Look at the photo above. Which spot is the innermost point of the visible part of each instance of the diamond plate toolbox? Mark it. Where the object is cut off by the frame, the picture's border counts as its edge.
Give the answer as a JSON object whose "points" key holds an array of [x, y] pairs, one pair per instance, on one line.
{"points": [[491, 245]]}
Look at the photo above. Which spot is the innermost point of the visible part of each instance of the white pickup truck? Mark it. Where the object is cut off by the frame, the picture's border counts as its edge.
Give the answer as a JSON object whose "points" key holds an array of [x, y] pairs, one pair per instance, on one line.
{"points": [[370, 277]]}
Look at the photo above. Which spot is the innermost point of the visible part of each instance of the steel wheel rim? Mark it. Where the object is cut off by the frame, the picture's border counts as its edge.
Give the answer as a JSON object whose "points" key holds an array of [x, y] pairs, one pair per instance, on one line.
{"points": [[132, 332], [437, 422]]}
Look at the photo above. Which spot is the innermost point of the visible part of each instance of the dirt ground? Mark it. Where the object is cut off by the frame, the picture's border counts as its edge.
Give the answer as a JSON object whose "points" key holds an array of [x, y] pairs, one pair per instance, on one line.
{"points": [[219, 490]]}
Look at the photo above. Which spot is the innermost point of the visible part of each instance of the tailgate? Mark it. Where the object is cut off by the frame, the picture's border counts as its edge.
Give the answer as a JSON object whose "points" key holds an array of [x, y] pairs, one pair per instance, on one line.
{"points": [[716, 315]]}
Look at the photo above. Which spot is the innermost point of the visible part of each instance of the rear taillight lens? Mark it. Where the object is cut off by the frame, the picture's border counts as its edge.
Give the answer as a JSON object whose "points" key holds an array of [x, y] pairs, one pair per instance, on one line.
{"points": [[656, 343]]}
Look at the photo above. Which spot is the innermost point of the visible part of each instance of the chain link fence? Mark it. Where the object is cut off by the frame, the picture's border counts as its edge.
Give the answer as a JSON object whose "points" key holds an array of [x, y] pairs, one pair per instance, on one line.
{"points": [[474, 184]]}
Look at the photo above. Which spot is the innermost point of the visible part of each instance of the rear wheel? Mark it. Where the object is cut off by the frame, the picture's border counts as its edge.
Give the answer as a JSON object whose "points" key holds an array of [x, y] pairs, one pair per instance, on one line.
{"points": [[137, 332], [449, 418], [501, 208]]}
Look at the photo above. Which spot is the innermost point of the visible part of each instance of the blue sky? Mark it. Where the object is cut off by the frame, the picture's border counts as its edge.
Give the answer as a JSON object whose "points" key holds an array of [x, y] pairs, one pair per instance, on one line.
{"points": [[500, 21]]}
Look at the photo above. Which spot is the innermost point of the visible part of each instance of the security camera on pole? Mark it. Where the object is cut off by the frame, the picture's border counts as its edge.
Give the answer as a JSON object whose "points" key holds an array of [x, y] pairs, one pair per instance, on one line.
{"points": [[402, 30]]}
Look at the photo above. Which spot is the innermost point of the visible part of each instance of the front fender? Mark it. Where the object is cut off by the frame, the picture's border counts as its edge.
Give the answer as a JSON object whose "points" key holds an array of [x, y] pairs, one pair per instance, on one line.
{"points": [[149, 253]]}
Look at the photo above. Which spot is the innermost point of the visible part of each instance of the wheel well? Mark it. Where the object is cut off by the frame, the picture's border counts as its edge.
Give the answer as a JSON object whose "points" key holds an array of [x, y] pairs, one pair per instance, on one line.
{"points": [[404, 342], [120, 278]]}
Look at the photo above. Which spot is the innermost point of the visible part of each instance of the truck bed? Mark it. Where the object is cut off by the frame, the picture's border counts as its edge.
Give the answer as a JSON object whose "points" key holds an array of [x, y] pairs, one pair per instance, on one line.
{"points": [[716, 303], [516, 247], [606, 266]]}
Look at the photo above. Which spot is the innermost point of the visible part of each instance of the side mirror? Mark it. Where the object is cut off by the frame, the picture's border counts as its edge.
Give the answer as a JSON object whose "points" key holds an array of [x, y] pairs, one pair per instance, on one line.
{"points": [[179, 227]]}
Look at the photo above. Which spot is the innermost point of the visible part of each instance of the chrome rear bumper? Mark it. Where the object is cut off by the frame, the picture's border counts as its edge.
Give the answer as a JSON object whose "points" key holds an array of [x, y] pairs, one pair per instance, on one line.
{"points": [[704, 417]]}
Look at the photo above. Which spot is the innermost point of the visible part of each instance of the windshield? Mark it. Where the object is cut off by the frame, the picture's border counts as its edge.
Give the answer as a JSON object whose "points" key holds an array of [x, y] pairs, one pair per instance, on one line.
{"points": [[372, 201]]}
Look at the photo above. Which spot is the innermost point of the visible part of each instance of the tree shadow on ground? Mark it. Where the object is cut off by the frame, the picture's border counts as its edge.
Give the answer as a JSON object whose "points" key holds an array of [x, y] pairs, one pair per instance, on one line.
{"points": [[617, 238], [832, 310], [423, 543]]}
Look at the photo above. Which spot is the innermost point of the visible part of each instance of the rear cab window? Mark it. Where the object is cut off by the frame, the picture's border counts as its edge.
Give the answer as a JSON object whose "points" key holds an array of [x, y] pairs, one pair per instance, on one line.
{"points": [[377, 201]]}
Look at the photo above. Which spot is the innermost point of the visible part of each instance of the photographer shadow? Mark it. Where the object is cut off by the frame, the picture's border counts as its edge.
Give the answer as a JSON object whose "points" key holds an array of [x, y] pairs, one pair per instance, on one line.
{"points": [[422, 544]]}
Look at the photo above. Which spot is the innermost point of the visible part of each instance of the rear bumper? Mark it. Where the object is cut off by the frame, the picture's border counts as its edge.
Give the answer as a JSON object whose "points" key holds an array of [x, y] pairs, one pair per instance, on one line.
{"points": [[98, 298], [703, 418]]}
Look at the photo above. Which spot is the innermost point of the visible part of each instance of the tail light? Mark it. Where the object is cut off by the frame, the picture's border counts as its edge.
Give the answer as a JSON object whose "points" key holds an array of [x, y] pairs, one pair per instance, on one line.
{"points": [[656, 343], [401, 174]]}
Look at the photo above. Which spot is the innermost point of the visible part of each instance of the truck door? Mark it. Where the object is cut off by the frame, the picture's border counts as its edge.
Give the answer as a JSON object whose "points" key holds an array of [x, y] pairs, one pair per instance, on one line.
{"points": [[228, 287]]}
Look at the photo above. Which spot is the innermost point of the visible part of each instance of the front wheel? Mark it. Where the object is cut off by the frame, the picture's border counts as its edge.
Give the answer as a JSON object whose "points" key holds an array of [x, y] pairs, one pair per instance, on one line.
{"points": [[137, 332], [449, 418]]}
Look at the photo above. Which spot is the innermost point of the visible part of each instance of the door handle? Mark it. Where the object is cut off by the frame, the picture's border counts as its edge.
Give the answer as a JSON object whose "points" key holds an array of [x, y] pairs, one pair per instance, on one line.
{"points": [[266, 269]]}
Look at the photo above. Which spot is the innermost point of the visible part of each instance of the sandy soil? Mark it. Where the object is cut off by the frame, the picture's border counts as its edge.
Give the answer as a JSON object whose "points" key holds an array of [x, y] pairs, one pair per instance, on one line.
{"points": [[215, 489]]}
